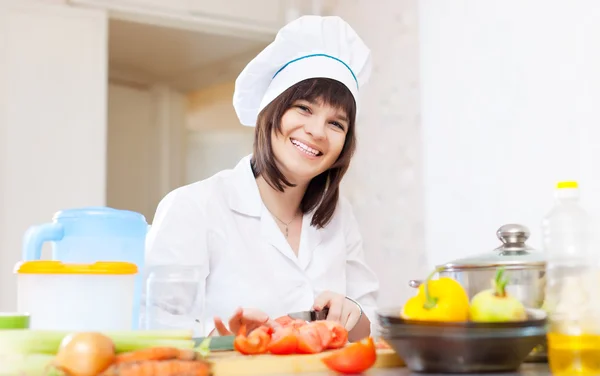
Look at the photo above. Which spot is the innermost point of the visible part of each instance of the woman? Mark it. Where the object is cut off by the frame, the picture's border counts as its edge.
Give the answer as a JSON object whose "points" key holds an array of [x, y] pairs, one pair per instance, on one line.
{"points": [[272, 236]]}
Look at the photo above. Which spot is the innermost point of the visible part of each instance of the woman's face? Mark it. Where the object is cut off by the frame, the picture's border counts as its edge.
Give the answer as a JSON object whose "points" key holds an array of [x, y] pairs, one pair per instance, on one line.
{"points": [[311, 140]]}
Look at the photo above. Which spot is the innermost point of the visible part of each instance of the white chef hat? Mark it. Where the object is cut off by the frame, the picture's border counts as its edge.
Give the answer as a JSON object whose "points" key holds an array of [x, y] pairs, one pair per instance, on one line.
{"points": [[309, 47]]}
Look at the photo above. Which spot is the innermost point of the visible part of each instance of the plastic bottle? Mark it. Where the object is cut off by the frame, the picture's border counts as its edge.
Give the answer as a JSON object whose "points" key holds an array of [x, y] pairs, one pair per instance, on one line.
{"points": [[571, 286], [565, 228]]}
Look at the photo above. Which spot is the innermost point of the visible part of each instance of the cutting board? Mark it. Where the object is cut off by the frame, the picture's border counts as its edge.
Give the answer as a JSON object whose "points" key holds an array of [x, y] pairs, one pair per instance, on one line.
{"points": [[235, 364]]}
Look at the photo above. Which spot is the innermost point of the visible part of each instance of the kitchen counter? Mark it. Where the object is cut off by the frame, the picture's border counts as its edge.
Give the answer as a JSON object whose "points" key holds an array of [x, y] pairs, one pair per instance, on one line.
{"points": [[527, 369]]}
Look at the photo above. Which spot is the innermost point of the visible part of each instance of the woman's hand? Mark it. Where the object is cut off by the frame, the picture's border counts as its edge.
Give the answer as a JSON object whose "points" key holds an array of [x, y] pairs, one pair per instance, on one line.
{"points": [[252, 318], [342, 310]]}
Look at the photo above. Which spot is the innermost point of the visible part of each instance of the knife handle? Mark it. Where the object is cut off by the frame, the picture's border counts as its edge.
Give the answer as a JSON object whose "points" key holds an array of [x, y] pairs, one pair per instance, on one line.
{"points": [[320, 315]]}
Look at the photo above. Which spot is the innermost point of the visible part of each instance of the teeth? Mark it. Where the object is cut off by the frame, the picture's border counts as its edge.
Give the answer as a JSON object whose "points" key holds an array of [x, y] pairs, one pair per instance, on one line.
{"points": [[305, 148]]}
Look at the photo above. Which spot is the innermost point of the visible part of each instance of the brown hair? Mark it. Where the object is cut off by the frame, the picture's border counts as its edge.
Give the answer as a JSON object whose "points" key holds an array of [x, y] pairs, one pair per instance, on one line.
{"points": [[323, 190]]}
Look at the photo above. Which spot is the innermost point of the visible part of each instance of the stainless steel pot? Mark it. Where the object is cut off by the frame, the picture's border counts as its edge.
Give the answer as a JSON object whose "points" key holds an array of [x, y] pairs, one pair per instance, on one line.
{"points": [[525, 268]]}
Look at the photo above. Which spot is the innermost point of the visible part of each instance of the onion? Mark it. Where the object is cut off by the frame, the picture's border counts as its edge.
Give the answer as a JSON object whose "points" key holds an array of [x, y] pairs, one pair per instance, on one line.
{"points": [[85, 354]]}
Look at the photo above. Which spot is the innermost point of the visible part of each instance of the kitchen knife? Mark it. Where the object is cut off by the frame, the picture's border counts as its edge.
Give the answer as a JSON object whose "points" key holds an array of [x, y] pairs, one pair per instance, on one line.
{"points": [[311, 315]]}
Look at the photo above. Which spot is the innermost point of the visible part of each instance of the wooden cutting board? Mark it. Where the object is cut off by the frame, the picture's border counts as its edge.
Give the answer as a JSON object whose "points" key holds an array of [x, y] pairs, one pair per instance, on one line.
{"points": [[235, 364]]}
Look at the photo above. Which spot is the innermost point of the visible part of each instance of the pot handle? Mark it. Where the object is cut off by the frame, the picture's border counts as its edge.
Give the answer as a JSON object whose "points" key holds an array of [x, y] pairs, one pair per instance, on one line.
{"points": [[414, 283]]}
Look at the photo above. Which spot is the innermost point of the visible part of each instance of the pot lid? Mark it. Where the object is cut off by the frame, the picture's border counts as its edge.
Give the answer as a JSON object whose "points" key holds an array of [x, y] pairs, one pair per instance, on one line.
{"points": [[514, 252]]}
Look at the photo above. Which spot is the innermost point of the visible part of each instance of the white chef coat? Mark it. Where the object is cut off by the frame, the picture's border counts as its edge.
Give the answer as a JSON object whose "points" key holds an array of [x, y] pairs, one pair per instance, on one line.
{"points": [[221, 225]]}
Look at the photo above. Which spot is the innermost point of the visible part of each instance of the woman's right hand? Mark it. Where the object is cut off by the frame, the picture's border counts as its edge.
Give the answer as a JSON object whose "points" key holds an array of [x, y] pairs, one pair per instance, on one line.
{"points": [[252, 318]]}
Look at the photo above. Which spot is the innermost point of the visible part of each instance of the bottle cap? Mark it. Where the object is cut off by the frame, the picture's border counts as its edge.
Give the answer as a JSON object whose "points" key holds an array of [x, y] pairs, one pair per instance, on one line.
{"points": [[567, 190]]}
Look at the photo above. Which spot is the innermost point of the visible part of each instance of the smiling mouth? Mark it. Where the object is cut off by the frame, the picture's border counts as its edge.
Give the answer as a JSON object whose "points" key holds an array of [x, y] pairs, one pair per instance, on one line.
{"points": [[305, 148]]}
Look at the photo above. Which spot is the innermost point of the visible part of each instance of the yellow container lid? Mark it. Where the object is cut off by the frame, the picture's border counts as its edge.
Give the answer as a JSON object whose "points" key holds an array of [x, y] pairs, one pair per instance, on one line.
{"points": [[57, 267], [567, 185]]}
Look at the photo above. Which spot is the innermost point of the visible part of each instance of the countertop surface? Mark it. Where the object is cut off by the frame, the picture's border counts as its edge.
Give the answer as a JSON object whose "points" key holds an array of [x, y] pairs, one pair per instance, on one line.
{"points": [[527, 369]]}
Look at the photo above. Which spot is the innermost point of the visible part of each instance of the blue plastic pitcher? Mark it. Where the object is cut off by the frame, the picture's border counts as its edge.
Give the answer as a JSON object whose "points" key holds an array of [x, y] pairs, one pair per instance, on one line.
{"points": [[87, 235]]}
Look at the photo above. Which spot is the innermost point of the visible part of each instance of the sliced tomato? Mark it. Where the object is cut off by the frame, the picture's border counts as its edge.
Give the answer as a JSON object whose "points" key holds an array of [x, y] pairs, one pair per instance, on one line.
{"points": [[256, 342], [324, 332], [284, 320], [297, 323], [309, 340], [354, 358], [339, 334], [283, 341], [266, 329]]}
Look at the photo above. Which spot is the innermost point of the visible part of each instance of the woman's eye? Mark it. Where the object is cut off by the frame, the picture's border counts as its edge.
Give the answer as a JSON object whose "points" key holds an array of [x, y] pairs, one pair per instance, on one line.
{"points": [[303, 108], [336, 124]]}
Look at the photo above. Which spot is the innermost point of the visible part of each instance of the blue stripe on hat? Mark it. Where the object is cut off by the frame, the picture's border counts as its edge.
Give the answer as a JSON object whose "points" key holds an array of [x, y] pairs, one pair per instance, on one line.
{"points": [[313, 55]]}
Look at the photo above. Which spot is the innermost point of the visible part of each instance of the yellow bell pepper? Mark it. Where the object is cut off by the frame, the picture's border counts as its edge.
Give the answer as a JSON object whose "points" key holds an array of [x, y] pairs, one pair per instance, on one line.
{"points": [[442, 299]]}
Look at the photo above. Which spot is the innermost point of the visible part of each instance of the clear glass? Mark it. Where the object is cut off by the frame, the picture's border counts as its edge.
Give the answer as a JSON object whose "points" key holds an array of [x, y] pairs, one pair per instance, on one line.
{"points": [[172, 298]]}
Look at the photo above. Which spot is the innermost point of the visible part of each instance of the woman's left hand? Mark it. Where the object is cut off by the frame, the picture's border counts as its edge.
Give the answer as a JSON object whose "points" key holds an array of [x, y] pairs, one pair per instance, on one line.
{"points": [[341, 310], [249, 317]]}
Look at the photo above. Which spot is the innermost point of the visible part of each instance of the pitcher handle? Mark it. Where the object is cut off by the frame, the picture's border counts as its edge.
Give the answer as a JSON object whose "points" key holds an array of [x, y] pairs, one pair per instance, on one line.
{"points": [[35, 237]]}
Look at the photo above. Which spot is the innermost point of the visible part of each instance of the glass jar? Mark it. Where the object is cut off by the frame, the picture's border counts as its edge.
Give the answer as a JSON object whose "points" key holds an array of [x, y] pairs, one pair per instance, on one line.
{"points": [[172, 298]]}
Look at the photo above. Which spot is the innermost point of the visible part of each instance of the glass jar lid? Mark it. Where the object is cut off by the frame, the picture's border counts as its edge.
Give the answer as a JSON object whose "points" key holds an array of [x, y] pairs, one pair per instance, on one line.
{"points": [[514, 252]]}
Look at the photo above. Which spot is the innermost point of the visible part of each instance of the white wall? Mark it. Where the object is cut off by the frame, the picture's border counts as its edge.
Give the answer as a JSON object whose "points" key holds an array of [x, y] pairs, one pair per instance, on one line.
{"points": [[212, 108], [132, 159], [215, 138], [510, 93], [52, 121], [211, 151], [384, 183], [146, 145]]}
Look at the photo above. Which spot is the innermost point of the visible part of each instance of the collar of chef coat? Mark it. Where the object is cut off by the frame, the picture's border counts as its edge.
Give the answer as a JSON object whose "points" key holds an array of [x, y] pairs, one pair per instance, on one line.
{"points": [[244, 198]]}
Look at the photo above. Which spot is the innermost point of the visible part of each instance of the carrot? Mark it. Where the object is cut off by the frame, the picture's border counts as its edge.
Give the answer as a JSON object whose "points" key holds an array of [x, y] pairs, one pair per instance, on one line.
{"points": [[174, 367], [156, 353]]}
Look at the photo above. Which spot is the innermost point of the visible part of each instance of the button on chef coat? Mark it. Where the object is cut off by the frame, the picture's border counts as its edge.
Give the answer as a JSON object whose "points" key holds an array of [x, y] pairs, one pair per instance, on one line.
{"points": [[221, 225]]}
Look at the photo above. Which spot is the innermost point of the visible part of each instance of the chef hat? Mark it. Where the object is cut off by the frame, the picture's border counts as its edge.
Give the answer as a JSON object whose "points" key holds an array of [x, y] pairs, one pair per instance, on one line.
{"points": [[310, 46]]}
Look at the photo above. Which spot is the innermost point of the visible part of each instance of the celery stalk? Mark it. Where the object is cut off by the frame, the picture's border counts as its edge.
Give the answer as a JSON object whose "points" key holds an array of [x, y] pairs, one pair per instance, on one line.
{"points": [[132, 344], [21, 341], [24, 341], [30, 365], [153, 334]]}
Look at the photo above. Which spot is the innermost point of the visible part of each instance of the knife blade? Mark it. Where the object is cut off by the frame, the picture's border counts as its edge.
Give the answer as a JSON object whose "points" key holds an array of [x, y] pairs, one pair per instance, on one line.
{"points": [[311, 315]]}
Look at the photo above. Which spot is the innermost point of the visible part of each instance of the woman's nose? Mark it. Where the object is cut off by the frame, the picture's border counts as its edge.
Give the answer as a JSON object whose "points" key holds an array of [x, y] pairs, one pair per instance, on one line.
{"points": [[315, 127]]}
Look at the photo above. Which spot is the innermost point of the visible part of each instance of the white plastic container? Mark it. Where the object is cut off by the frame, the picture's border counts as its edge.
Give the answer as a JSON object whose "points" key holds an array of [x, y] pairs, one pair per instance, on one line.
{"points": [[80, 297]]}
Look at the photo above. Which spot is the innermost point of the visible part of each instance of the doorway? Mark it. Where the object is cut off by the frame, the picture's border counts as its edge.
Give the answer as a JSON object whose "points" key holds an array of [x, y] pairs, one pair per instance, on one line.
{"points": [[170, 116]]}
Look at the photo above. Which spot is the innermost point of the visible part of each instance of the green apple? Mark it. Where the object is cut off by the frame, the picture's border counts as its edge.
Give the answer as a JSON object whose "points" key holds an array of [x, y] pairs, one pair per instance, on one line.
{"points": [[495, 304]]}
